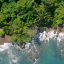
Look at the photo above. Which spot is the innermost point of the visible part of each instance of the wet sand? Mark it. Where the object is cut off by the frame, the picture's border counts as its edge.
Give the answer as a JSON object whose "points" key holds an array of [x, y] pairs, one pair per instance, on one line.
{"points": [[5, 39]]}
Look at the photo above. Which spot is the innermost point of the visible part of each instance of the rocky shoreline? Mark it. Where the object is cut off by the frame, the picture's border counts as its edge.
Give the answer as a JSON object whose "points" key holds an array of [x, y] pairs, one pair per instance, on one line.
{"points": [[43, 37], [7, 38]]}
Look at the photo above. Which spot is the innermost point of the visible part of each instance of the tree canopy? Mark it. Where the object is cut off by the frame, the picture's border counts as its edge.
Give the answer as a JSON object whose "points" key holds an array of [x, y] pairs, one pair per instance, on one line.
{"points": [[19, 17]]}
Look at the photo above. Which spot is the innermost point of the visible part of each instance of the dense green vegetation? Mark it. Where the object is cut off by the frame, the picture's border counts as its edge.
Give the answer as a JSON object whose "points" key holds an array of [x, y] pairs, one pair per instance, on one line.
{"points": [[18, 18]]}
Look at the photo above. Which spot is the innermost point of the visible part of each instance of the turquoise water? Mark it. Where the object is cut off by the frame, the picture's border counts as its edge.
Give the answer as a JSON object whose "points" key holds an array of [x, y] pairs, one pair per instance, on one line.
{"points": [[49, 53], [4, 58]]}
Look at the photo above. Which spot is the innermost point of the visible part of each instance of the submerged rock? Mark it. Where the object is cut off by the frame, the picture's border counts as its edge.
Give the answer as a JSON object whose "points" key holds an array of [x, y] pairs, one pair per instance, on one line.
{"points": [[33, 53]]}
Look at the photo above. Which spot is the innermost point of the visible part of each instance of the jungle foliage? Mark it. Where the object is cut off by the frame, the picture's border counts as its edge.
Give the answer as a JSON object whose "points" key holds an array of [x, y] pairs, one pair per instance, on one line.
{"points": [[18, 18]]}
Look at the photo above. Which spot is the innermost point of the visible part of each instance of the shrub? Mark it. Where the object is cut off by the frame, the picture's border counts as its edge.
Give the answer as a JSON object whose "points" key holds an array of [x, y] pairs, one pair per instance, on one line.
{"points": [[25, 37], [2, 33]]}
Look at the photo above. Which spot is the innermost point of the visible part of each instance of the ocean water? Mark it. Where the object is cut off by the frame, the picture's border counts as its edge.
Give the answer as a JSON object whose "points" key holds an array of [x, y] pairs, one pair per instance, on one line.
{"points": [[49, 53]]}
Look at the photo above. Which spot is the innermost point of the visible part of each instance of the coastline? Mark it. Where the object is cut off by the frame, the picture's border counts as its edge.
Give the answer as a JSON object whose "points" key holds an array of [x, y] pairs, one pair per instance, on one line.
{"points": [[7, 38], [30, 48]]}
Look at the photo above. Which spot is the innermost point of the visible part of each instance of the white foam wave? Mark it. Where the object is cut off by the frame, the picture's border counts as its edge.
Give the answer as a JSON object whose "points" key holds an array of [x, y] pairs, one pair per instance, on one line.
{"points": [[5, 46], [14, 59], [44, 36], [27, 46], [60, 36]]}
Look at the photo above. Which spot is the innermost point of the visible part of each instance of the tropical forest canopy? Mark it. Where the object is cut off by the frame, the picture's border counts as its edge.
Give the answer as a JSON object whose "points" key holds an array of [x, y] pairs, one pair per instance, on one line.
{"points": [[18, 17]]}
